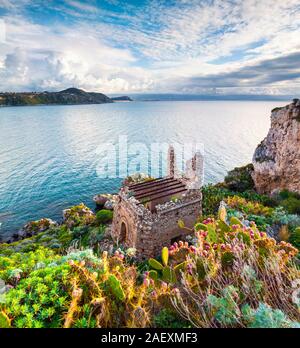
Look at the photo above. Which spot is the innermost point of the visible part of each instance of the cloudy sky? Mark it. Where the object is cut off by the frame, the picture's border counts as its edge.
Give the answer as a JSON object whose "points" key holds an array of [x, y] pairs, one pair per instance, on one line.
{"points": [[151, 46]]}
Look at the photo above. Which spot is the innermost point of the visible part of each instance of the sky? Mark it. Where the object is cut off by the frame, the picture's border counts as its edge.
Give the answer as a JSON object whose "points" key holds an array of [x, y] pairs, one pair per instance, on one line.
{"points": [[151, 46]]}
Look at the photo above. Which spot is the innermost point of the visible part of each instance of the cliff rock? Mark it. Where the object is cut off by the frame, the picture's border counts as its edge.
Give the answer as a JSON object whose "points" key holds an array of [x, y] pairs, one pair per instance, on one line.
{"points": [[276, 160]]}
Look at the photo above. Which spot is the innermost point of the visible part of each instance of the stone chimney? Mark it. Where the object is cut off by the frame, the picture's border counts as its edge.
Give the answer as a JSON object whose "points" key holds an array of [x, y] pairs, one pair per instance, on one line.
{"points": [[171, 169], [194, 171]]}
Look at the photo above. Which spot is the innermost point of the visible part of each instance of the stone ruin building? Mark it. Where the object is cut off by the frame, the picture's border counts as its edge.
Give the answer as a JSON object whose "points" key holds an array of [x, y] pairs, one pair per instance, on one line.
{"points": [[146, 214]]}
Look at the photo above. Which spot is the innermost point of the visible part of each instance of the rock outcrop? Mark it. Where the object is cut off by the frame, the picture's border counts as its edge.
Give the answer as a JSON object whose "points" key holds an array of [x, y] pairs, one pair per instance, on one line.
{"points": [[276, 160], [78, 215], [32, 228]]}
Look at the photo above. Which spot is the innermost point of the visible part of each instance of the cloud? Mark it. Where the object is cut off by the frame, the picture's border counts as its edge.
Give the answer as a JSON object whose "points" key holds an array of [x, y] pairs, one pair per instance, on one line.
{"points": [[266, 72], [41, 59], [82, 6], [181, 46]]}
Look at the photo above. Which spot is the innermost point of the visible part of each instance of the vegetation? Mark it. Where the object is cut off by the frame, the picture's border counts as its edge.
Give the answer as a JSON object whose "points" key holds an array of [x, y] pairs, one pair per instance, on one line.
{"points": [[229, 272], [68, 96], [104, 216], [240, 179]]}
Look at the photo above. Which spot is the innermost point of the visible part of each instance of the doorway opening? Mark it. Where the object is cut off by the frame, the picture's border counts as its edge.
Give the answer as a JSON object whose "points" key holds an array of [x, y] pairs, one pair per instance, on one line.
{"points": [[123, 232]]}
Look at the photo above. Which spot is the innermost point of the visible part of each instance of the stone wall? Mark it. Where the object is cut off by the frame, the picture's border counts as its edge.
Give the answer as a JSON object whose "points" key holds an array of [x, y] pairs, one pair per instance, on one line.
{"points": [[149, 232]]}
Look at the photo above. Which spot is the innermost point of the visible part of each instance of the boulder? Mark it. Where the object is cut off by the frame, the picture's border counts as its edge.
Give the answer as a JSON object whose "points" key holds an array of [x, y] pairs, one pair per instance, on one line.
{"points": [[100, 200]]}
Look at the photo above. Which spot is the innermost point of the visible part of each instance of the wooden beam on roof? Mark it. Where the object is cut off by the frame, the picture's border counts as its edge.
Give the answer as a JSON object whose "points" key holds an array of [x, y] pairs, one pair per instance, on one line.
{"points": [[159, 184], [162, 188], [163, 195], [146, 183]]}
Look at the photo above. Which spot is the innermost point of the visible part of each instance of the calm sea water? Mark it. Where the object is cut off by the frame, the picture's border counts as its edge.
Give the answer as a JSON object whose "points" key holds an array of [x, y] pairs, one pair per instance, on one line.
{"points": [[48, 156]]}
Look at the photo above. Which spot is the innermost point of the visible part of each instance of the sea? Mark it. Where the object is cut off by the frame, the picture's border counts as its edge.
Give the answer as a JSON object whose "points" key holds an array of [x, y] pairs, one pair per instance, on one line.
{"points": [[53, 157]]}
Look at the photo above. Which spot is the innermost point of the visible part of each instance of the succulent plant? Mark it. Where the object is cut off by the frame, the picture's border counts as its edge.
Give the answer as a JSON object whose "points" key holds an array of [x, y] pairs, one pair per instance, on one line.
{"points": [[4, 320], [116, 287]]}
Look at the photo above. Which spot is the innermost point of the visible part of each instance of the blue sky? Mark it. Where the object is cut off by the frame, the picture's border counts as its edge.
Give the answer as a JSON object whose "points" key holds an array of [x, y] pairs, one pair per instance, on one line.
{"points": [[151, 46]]}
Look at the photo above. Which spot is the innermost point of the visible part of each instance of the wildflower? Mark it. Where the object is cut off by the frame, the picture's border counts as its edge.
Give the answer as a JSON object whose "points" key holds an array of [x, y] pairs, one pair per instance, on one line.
{"points": [[131, 252], [146, 282], [77, 293], [121, 256], [176, 292], [164, 286], [154, 294], [193, 249], [190, 268], [206, 246]]}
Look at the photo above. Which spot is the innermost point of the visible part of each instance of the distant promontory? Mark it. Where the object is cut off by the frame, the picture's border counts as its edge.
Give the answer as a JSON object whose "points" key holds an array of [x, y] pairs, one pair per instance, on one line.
{"points": [[70, 96], [123, 98]]}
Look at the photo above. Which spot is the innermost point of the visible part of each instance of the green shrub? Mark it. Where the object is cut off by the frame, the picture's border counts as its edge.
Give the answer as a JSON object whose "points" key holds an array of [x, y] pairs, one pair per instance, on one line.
{"points": [[295, 237], [24, 263], [290, 201], [292, 205], [212, 196], [104, 216], [266, 317], [167, 318], [240, 179], [40, 300], [225, 309]]}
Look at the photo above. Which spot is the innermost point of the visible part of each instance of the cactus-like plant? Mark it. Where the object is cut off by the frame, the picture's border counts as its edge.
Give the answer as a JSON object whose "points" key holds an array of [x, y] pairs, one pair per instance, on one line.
{"points": [[116, 287], [153, 274], [235, 221], [222, 213], [212, 235], [76, 296], [165, 256], [168, 275], [155, 264], [199, 226]]}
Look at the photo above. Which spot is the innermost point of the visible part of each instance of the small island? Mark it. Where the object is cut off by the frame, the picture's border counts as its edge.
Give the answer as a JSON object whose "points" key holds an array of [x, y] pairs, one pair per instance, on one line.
{"points": [[123, 98], [70, 96]]}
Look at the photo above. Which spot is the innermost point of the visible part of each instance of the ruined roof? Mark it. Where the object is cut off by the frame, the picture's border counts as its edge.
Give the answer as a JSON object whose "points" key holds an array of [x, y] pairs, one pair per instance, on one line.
{"points": [[156, 189]]}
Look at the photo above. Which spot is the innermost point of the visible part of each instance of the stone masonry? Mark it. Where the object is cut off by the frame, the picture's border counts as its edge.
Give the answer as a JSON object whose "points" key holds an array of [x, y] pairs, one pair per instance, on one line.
{"points": [[146, 215]]}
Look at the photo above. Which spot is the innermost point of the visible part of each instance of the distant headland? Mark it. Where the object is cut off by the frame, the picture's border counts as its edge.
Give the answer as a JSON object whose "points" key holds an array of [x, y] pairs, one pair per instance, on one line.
{"points": [[70, 96]]}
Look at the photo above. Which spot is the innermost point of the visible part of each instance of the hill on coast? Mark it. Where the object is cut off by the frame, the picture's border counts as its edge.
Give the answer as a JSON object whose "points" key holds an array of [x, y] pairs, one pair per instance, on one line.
{"points": [[66, 97]]}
